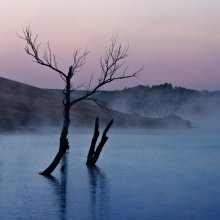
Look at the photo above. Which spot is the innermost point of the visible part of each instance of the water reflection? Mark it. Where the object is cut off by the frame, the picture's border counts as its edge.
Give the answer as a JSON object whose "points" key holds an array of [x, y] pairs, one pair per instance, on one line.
{"points": [[99, 196], [60, 188]]}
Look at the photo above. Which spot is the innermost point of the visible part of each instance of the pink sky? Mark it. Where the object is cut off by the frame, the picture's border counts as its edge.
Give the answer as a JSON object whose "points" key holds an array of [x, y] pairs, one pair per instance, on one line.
{"points": [[177, 41]]}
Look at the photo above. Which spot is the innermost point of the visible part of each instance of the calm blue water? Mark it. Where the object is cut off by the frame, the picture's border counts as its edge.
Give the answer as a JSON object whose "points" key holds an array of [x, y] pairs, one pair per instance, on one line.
{"points": [[148, 176]]}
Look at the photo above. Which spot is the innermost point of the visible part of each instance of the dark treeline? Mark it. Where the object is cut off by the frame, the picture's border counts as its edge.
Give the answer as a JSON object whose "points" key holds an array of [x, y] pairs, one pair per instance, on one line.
{"points": [[163, 100], [160, 100]]}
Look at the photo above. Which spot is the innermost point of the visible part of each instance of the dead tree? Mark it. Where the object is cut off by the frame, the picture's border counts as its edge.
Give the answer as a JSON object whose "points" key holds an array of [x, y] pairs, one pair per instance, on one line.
{"points": [[94, 151], [112, 68]]}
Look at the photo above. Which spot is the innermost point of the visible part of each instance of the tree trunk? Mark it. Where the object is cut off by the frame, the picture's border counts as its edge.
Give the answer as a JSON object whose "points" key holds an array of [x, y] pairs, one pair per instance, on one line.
{"points": [[56, 160], [94, 152], [64, 144]]}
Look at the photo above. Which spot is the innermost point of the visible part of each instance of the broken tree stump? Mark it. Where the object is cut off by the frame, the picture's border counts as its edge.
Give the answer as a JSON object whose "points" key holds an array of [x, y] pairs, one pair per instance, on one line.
{"points": [[94, 152]]}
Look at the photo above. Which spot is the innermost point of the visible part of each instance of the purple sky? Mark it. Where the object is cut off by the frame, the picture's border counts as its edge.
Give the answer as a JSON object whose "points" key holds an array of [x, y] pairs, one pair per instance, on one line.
{"points": [[177, 41]]}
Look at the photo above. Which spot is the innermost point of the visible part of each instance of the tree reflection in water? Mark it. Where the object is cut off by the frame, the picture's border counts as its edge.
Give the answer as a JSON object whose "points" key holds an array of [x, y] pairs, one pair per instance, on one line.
{"points": [[99, 196], [60, 188]]}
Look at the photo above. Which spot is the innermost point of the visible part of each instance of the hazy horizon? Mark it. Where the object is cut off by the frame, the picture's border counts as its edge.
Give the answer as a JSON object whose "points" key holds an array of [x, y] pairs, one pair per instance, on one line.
{"points": [[177, 42], [115, 89]]}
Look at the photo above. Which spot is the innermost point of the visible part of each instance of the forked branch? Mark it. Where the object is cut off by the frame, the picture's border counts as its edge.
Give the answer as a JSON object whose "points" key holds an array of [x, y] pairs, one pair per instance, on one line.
{"points": [[94, 152], [48, 58], [112, 68]]}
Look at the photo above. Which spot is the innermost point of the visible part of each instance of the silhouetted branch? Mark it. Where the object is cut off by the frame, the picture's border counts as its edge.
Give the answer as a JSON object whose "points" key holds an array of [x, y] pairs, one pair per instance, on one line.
{"points": [[79, 60], [32, 49], [48, 59], [112, 62], [100, 103], [112, 69]]}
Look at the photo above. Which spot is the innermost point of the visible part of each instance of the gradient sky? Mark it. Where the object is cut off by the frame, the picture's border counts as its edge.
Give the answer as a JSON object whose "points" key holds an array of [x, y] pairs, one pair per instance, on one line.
{"points": [[176, 41]]}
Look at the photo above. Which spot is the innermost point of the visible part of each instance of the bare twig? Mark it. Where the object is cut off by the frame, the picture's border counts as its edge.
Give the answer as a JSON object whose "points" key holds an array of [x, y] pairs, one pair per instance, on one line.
{"points": [[112, 62], [112, 68], [99, 102], [32, 48]]}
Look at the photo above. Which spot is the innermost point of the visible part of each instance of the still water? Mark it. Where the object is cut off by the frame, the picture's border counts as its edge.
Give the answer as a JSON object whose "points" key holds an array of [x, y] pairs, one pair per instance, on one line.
{"points": [[147, 176]]}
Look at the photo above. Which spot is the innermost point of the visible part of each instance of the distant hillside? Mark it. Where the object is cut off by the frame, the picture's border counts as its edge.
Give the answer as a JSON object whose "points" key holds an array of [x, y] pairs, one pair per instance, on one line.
{"points": [[27, 106], [160, 101]]}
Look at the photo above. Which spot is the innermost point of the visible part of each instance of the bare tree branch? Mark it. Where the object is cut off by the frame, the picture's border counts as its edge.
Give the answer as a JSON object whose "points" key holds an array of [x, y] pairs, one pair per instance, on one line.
{"points": [[79, 60], [112, 68], [99, 102], [32, 49], [112, 62]]}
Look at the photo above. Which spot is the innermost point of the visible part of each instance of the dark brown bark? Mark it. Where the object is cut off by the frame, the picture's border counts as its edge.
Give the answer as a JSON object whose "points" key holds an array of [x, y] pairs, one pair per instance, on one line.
{"points": [[94, 152]]}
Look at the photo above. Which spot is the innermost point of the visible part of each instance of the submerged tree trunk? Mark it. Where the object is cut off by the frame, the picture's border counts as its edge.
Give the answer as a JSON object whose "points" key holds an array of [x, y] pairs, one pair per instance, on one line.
{"points": [[58, 157], [63, 146], [66, 123], [111, 64], [64, 143], [94, 152]]}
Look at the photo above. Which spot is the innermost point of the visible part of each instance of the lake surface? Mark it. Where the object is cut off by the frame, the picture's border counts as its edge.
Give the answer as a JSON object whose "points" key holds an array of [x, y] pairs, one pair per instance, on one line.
{"points": [[147, 176]]}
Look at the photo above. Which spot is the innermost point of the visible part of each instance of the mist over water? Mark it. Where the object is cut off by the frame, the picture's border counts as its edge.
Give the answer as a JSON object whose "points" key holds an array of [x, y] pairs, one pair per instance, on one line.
{"points": [[201, 108], [163, 174], [142, 173]]}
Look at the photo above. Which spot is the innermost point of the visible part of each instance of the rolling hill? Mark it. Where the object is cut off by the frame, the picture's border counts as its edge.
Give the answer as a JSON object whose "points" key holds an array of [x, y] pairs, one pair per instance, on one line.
{"points": [[25, 106]]}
